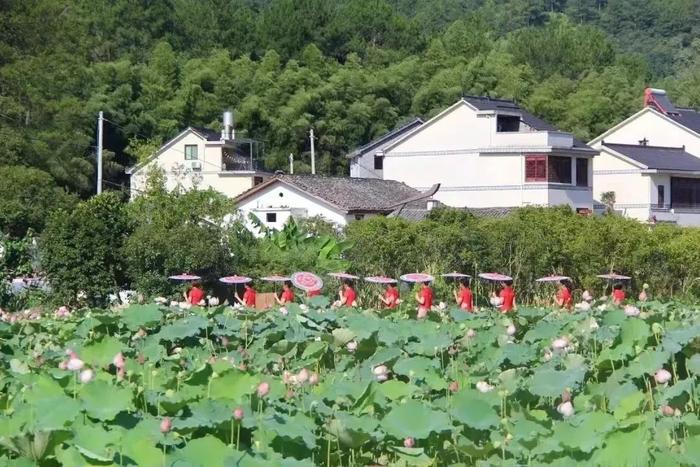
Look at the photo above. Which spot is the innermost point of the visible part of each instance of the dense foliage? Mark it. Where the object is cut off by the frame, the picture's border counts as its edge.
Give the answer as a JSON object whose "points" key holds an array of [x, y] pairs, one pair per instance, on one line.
{"points": [[149, 385], [351, 69]]}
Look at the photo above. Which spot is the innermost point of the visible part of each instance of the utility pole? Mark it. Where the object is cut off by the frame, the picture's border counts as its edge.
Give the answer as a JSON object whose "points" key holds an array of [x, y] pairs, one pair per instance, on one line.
{"points": [[99, 153], [291, 164], [313, 152]]}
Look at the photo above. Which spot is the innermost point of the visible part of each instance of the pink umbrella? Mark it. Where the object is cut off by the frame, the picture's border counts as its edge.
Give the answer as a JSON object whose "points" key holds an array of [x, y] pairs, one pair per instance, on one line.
{"points": [[553, 279], [185, 277], [417, 277], [343, 275], [495, 277], [380, 280], [614, 277], [455, 275], [307, 281], [275, 278], [235, 280]]}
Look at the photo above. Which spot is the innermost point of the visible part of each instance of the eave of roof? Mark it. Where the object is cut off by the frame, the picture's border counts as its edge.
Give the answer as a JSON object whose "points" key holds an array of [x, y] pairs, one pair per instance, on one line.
{"points": [[387, 137]]}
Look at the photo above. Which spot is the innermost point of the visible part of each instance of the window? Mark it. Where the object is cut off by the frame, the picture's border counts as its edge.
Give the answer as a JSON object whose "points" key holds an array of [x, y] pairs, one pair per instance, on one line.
{"points": [[359, 217], [271, 217], [378, 162], [685, 192], [581, 172], [660, 196], [559, 169], [257, 181], [535, 168], [191, 152], [507, 123]]}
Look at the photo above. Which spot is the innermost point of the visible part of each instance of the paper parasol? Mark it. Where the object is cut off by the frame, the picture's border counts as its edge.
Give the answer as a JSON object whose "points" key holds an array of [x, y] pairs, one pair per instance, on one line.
{"points": [[380, 280], [553, 279], [417, 277], [307, 281], [275, 278], [614, 277], [235, 280], [495, 277], [185, 277], [343, 275]]}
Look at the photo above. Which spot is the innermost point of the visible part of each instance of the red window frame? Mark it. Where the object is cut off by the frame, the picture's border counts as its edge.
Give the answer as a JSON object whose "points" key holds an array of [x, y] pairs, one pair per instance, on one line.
{"points": [[536, 168]]}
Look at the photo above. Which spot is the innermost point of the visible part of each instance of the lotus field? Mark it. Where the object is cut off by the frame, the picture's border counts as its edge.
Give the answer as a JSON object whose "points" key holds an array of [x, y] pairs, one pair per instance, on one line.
{"points": [[151, 385]]}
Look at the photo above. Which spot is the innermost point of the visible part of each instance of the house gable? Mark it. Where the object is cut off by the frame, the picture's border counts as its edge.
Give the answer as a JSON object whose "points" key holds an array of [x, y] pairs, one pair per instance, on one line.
{"points": [[187, 132]]}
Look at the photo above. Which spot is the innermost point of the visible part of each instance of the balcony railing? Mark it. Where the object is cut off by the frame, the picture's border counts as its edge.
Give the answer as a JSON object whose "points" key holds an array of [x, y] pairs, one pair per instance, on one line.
{"points": [[533, 139], [241, 164]]}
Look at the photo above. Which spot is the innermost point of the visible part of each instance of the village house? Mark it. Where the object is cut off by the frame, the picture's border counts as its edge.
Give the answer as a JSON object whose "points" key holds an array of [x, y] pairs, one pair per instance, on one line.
{"points": [[204, 158], [485, 153], [650, 163], [335, 199]]}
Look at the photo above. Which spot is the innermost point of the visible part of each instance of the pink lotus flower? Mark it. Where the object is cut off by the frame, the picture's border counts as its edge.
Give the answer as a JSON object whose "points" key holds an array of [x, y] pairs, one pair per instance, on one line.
{"points": [[351, 346], [643, 296], [662, 376], [118, 360], [313, 379], [303, 376], [566, 409], [454, 386], [86, 376], [263, 389], [288, 378], [165, 425], [667, 411], [75, 364], [380, 370], [586, 295], [238, 413], [409, 442], [631, 310], [483, 386], [510, 330], [560, 343]]}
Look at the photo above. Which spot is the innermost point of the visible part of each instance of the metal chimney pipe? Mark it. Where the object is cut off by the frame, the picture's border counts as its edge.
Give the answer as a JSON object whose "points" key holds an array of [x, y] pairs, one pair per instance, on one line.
{"points": [[291, 164], [227, 132]]}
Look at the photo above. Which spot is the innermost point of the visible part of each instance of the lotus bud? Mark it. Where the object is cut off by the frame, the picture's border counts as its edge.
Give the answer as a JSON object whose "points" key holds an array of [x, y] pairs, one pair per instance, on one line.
{"points": [[380, 370], [118, 360], [454, 386], [643, 296], [667, 411], [75, 364], [287, 377], [382, 378], [560, 343], [483, 386], [510, 330], [566, 409], [566, 395], [238, 413], [165, 425], [662, 376], [224, 341], [86, 376], [409, 442], [631, 310], [263, 389], [351, 346], [471, 333], [586, 295], [303, 376], [313, 379]]}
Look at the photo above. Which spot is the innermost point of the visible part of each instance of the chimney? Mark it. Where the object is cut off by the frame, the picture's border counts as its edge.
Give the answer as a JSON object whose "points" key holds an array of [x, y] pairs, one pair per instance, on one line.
{"points": [[227, 134], [432, 204]]}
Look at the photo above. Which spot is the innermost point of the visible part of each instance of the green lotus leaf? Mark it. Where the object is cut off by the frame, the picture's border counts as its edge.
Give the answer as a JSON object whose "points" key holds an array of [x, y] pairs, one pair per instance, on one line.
{"points": [[675, 339], [104, 401], [205, 413], [299, 427], [185, 327], [87, 325], [352, 431], [624, 448], [343, 335], [415, 457], [693, 364], [634, 331], [70, 455], [474, 410], [141, 316], [543, 331], [395, 389], [96, 443], [684, 386], [362, 326], [19, 367], [630, 405], [233, 385], [101, 353], [546, 381], [647, 362], [207, 451], [415, 419], [528, 430], [314, 350]]}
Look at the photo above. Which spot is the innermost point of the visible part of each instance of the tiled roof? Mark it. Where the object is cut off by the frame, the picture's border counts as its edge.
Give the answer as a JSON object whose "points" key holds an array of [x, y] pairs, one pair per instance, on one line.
{"points": [[658, 157], [689, 118], [385, 140], [419, 214], [208, 133], [346, 193]]}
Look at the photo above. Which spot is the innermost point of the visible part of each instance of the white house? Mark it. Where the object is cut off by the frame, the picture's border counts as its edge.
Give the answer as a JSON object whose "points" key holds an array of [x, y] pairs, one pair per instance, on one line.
{"points": [[204, 158], [336, 199], [488, 153], [651, 162]]}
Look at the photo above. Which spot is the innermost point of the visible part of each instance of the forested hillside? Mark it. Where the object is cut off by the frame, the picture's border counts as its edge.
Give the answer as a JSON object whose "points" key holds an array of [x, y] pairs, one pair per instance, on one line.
{"points": [[351, 69]]}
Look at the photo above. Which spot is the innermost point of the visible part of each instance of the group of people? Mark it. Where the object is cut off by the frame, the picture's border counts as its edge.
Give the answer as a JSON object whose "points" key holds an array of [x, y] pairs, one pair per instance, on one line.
{"points": [[504, 300]]}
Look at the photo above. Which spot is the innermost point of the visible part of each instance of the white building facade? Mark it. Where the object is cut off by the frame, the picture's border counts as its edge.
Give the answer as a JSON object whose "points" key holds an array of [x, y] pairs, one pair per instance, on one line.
{"points": [[204, 158], [651, 163], [488, 153]]}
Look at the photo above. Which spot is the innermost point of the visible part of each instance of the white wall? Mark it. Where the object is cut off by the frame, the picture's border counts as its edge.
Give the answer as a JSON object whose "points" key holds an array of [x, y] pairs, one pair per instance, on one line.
{"points": [[292, 200], [657, 130], [178, 174], [363, 167]]}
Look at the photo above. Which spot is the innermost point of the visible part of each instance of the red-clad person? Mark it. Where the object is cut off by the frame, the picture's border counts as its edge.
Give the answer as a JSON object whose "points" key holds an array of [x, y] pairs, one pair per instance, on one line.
{"points": [[347, 295], [563, 297], [313, 293], [618, 294], [390, 299], [248, 299], [424, 297], [195, 295], [464, 297], [287, 295], [507, 297]]}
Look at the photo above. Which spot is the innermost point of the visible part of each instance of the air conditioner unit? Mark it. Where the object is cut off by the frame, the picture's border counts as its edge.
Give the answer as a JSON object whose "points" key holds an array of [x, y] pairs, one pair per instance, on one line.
{"points": [[195, 165]]}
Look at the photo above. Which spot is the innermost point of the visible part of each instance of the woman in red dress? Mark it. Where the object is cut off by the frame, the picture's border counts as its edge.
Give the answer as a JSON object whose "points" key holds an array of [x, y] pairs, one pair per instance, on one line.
{"points": [[287, 295], [464, 297], [248, 299], [564, 298], [390, 299]]}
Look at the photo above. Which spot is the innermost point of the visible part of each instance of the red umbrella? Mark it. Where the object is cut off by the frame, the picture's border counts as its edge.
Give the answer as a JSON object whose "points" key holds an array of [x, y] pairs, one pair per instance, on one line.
{"points": [[307, 281], [380, 280], [185, 277], [553, 279], [417, 277], [275, 278], [235, 280], [343, 275], [614, 277], [495, 277]]}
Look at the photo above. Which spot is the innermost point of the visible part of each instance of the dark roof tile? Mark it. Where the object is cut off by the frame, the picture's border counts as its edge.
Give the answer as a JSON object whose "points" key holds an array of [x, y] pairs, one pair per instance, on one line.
{"points": [[386, 139], [658, 157]]}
